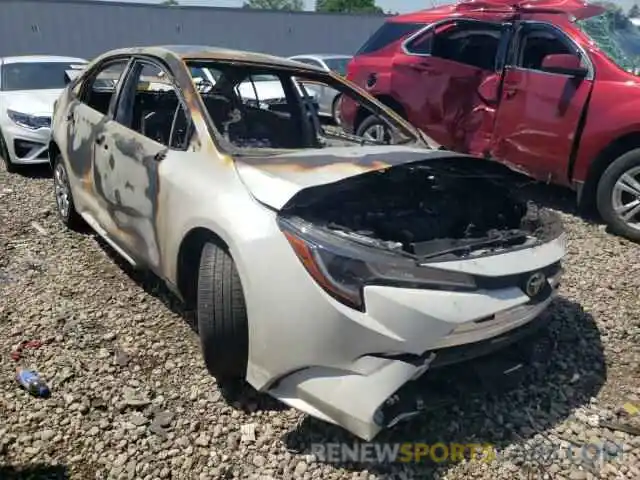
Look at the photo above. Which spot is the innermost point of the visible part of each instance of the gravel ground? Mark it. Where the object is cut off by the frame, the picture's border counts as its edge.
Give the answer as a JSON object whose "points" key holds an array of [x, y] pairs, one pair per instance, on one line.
{"points": [[132, 399]]}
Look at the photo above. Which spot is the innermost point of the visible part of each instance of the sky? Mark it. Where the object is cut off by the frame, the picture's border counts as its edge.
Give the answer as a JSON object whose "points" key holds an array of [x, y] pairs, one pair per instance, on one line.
{"points": [[401, 6]]}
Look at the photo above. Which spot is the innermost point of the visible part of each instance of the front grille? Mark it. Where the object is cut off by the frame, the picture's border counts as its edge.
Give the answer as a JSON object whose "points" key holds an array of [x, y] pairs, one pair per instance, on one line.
{"points": [[519, 280]]}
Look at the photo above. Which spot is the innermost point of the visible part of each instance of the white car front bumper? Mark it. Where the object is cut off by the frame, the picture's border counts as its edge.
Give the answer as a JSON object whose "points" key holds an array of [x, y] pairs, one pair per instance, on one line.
{"points": [[403, 333], [26, 146]]}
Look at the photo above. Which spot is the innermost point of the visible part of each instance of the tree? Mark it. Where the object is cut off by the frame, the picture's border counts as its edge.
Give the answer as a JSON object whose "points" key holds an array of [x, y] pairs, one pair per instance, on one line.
{"points": [[295, 5], [347, 6], [634, 12], [169, 2]]}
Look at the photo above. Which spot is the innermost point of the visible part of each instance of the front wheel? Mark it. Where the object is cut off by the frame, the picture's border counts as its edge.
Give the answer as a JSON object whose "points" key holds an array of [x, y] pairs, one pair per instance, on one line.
{"points": [[374, 129], [618, 195], [222, 315], [64, 199]]}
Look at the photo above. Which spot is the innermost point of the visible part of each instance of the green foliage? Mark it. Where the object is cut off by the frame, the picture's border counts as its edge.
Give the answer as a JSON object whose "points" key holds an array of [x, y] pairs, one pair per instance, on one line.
{"points": [[169, 2], [347, 6], [634, 12], [293, 5]]}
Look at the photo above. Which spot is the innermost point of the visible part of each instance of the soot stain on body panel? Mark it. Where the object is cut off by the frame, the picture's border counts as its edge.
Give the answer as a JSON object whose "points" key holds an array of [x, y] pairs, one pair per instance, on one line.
{"points": [[128, 182], [309, 161], [80, 136]]}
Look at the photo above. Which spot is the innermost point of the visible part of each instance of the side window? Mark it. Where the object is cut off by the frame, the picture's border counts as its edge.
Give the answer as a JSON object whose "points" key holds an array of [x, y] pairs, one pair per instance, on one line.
{"points": [[100, 87], [537, 42], [150, 105], [387, 34], [470, 43]]}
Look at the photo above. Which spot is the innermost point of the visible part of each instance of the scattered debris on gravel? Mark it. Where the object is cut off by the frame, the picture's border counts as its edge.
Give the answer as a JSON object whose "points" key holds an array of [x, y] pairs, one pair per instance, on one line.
{"points": [[130, 396]]}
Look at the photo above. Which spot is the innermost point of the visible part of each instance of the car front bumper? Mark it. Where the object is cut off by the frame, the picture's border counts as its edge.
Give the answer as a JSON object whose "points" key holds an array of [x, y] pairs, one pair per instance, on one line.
{"points": [[355, 400], [26, 146], [356, 361]]}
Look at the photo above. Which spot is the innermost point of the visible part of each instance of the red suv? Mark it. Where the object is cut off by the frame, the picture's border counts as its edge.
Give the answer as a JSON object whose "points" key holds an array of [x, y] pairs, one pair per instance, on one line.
{"points": [[548, 87]]}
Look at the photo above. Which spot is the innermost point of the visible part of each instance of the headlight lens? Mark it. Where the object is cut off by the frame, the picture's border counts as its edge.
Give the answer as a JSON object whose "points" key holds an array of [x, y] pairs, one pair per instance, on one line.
{"points": [[342, 267], [31, 122]]}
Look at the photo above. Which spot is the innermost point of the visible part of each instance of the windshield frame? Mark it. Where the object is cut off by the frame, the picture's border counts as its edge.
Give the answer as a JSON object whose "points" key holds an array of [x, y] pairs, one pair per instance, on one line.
{"points": [[335, 80], [64, 67]]}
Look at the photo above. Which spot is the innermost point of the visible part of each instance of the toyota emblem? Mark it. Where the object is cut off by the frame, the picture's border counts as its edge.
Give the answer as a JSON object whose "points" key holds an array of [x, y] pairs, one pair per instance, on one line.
{"points": [[535, 284]]}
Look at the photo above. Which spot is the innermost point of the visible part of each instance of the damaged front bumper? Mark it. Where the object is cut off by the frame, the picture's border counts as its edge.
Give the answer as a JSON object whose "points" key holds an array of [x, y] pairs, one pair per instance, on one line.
{"points": [[357, 397]]}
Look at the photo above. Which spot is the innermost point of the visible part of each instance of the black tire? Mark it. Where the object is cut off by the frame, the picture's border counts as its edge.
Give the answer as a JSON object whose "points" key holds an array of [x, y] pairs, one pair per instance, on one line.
{"points": [[69, 217], [604, 197], [335, 113], [4, 155], [372, 121], [222, 316]]}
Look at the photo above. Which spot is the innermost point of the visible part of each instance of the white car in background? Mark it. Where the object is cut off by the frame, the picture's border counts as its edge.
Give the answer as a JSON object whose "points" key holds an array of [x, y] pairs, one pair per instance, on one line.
{"points": [[328, 99], [261, 90], [29, 85]]}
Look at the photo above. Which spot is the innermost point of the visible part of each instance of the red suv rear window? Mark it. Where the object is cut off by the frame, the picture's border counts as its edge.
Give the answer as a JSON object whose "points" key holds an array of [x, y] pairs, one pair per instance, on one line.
{"points": [[387, 34]]}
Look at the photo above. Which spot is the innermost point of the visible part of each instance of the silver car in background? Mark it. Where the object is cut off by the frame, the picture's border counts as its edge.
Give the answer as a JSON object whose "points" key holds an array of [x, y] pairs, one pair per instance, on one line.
{"points": [[327, 98]]}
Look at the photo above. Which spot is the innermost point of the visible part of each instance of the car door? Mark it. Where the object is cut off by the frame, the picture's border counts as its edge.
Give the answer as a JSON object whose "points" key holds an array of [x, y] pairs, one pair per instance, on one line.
{"points": [[150, 122], [438, 75], [540, 109], [90, 104]]}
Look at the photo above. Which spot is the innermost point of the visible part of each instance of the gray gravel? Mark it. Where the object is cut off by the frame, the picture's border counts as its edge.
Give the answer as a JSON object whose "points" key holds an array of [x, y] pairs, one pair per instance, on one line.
{"points": [[132, 399]]}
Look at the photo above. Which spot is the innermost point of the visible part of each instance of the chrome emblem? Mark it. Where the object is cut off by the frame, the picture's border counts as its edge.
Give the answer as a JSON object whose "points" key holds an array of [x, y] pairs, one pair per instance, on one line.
{"points": [[535, 284]]}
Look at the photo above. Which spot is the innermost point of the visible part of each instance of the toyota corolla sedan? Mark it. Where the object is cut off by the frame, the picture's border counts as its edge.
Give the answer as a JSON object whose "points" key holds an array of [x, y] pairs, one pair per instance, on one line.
{"points": [[28, 87], [327, 269]]}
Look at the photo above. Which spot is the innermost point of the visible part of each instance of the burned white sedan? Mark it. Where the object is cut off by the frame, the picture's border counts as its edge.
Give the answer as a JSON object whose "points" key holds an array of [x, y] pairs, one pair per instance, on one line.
{"points": [[328, 270]]}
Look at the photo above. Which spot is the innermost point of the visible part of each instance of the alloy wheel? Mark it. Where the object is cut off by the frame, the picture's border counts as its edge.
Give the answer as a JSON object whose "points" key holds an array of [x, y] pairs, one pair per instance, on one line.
{"points": [[625, 198], [377, 133], [61, 182]]}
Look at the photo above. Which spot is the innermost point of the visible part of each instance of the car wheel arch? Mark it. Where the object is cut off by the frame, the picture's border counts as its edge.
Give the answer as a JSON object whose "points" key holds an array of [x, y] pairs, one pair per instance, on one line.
{"points": [[599, 164], [188, 260]]}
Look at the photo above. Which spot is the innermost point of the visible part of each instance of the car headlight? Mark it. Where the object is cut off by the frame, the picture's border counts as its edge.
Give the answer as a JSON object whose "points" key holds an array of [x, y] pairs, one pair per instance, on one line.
{"points": [[31, 122], [343, 267]]}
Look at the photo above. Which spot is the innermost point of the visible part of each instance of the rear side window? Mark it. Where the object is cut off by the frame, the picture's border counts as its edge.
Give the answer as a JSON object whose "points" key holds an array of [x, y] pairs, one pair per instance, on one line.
{"points": [[387, 34]]}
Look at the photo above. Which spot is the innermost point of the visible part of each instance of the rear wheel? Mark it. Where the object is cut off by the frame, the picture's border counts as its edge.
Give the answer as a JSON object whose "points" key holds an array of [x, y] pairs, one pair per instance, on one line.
{"points": [[64, 199], [373, 128], [222, 315], [618, 195], [4, 155]]}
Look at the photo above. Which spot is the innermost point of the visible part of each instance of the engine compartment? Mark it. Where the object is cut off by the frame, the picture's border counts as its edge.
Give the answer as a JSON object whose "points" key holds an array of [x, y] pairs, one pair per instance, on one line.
{"points": [[430, 208]]}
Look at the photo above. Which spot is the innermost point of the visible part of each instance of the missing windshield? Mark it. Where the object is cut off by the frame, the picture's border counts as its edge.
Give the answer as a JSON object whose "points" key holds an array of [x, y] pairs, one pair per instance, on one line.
{"points": [[270, 108]]}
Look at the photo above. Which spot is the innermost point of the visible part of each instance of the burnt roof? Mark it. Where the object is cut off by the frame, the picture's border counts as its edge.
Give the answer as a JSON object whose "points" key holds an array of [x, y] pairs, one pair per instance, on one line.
{"points": [[203, 52]]}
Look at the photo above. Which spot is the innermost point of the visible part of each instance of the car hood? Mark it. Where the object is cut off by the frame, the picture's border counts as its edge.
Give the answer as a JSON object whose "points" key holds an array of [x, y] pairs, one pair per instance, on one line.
{"points": [[32, 102], [275, 180]]}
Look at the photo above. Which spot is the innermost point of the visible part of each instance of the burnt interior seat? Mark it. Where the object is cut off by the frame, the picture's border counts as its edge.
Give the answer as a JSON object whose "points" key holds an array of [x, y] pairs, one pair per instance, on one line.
{"points": [[153, 114]]}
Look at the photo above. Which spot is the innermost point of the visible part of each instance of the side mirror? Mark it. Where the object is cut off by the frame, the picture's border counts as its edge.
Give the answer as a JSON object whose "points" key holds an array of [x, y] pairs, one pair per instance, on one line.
{"points": [[488, 90], [565, 64]]}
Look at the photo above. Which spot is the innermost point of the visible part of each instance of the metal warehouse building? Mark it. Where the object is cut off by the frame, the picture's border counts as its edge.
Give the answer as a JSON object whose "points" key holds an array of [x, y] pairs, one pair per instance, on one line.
{"points": [[85, 29]]}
